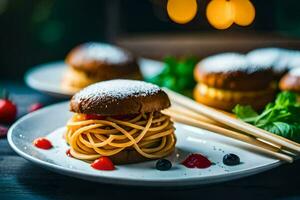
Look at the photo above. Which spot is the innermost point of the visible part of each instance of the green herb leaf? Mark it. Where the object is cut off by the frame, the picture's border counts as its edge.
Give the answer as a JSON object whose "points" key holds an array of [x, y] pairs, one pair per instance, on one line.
{"points": [[281, 117], [177, 74], [246, 113], [285, 99], [290, 131]]}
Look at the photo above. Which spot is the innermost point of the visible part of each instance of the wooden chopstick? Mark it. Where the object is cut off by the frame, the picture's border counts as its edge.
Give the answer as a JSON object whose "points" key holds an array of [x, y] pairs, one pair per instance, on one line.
{"points": [[178, 109], [183, 110], [175, 108], [237, 124], [214, 128], [189, 113], [259, 146]]}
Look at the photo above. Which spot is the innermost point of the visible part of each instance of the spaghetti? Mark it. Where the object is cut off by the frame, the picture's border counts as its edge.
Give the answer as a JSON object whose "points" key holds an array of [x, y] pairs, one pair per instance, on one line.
{"points": [[150, 134]]}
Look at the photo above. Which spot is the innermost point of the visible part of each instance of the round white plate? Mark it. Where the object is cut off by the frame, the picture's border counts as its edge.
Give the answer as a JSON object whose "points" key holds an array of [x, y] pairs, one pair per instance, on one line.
{"points": [[47, 77], [50, 121]]}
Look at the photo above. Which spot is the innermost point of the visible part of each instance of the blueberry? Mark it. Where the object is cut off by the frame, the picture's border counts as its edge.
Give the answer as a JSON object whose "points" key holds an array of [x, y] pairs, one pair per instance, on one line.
{"points": [[163, 165], [231, 159]]}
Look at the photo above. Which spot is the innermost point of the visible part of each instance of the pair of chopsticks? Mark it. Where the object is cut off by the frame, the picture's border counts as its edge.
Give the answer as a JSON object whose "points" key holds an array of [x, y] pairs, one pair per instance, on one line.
{"points": [[187, 111]]}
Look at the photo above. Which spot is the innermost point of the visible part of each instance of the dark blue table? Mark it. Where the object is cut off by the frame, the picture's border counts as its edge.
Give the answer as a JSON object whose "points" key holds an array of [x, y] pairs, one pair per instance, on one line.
{"points": [[20, 179]]}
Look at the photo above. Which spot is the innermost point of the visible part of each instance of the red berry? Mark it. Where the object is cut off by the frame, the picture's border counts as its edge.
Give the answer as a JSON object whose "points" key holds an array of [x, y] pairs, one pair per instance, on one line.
{"points": [[42, 143], [8, 111], [103, 163], [35, 107]]}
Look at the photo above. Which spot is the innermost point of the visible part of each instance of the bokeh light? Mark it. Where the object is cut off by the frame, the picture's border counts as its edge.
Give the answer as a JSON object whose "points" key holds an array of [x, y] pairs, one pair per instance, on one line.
{"points": [[219, 14], [223, 13], [244, 12], [182, 11]]}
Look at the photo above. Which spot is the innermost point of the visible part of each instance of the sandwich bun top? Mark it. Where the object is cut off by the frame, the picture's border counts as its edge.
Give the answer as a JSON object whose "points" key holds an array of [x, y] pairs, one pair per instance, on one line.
{"points": [[93, 56], [119, 97], [232, 71], [276, 58]]}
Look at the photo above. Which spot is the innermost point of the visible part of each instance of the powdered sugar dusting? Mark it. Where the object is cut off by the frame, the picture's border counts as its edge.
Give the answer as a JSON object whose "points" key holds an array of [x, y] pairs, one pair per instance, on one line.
{"points": [[119, 89], [294, 61], [276, 58], [295, 72], [228, 62], [265, 56], [104, 52]]}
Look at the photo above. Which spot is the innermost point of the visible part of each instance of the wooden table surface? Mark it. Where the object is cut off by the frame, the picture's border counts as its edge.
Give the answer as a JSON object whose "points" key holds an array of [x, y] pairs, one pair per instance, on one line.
{"points": [[20, 179]]}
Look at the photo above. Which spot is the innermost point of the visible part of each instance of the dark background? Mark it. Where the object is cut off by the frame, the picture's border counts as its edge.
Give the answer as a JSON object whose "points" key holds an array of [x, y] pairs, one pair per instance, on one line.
{"points": [[39, 31]]}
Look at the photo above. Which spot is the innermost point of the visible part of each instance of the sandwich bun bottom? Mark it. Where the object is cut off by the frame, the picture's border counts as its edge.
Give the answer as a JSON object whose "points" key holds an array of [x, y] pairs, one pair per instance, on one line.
{"points": [[228, 99]]}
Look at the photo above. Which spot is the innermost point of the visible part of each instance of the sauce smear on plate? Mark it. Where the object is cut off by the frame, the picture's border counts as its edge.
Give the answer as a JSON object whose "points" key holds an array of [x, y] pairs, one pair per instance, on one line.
{"points": [[196, 161], [103, 163], [68, 152], [42, 143]]}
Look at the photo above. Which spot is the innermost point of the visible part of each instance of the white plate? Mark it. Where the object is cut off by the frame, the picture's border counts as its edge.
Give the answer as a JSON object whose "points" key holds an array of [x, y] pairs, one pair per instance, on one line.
{"points": [[49, 122], [47, 77]]}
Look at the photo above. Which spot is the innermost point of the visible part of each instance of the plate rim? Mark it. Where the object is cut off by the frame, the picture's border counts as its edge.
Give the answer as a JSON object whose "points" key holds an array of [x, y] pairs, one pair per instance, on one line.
{"points": [[189, 181], [32, 83]]}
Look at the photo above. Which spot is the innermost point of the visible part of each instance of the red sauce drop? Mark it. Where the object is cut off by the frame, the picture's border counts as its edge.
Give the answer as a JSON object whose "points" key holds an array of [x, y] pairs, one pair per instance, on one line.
{"points": [[103, 163], [68, 152], [42, 143], [196, 161], [92, 116], [99, 117]]}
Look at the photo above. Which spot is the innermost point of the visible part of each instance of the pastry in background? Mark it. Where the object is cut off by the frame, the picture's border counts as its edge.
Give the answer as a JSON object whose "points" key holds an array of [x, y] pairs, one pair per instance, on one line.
{"points": [[276, 58], [294, 61], [93, 62], [281, 60], [228, 79], [291, 81]]}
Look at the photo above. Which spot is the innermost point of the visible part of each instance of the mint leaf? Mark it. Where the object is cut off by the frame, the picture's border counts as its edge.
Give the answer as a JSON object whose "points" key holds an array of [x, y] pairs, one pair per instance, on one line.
{"points": [[290, 131], [285, 99], [281, 117], [246, 113]]}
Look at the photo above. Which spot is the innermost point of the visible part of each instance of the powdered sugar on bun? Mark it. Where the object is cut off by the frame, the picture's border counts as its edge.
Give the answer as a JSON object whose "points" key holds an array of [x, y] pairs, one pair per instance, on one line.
{"points": [[118, 89], [119, 97], [264, 56], [295, 72], [276, 58], [228, 62], [101, 52]]}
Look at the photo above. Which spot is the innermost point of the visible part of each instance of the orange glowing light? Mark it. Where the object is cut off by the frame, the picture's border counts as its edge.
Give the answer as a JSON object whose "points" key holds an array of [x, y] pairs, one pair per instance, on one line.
{"points": [[244, 12], [219, 14], [223, 13], [182, 11]]}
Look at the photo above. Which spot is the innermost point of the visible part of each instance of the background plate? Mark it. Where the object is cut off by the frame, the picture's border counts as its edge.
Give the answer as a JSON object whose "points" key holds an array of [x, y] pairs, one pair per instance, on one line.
{"points": [[50, 121], [47, 77]]}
